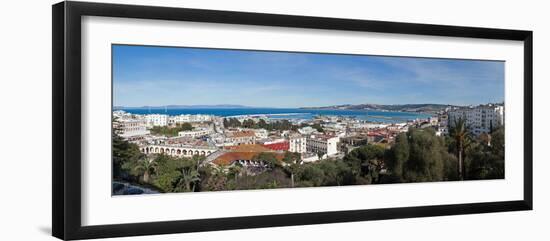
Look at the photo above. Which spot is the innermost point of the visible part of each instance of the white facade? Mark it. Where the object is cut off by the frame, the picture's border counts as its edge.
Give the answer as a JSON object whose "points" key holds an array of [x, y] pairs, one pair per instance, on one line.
{"points": [[297, 144], [240, 138], [306, 130], [479, 119], [157, 120], [442, 131], [180, 119], [322, 144], [120, 114], [178, 151], [130, 128], [195, 133], [260, 133]]}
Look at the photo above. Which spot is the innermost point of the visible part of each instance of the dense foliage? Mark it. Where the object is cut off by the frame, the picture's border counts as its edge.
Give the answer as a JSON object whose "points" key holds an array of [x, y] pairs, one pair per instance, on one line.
{"points": [[421, 156], [280, 125], [416, 156], [171, 131], [125, 154]]}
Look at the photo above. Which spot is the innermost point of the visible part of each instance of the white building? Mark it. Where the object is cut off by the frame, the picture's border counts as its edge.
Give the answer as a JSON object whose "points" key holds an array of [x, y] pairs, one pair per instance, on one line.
{"points": [[132, 128], [236, 138], [195, 133], [479, 119], [297, 143], [120, 114], [334, 126], [444, 120], [178, 150], [375, 125], [260, 133], [434, 120], [180, 119], [157, 120], [442, 131], [327, 145], [307, 130]]}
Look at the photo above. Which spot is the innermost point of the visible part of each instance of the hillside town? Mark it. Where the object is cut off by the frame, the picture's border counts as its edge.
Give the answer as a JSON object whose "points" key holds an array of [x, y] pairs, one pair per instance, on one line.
{"points": [[238, 140]]}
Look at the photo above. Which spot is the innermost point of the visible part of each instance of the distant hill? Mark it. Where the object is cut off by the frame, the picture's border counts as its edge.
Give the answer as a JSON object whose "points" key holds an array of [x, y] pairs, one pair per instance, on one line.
{"points": [[427, 108]]}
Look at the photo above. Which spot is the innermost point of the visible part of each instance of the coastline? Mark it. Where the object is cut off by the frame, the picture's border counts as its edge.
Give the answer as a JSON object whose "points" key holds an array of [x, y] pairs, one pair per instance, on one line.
{"points": [[377, 116]]}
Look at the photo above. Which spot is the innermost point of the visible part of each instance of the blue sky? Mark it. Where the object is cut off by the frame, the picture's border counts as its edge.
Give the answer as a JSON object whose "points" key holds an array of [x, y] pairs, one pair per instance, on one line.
{"points": [[158, 76]]}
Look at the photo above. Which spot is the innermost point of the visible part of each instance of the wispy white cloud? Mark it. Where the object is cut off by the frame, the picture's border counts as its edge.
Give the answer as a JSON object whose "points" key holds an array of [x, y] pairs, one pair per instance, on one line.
{"points": [[290, 79]]}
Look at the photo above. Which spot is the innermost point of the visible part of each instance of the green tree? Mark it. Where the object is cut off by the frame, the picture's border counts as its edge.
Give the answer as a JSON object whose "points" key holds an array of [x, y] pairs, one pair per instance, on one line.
{"points": [[187, 180], [249, 123], [262, 124], [366, 162], [268, 158], [400, 155], [231, 122], [336, 173], [169, 170], [217, 179], [171, 131], [419, 156], [318, 127], [460, 134], [310, 175], [275, 178], [125, 154], [235, 171], [226, 123], [292, 161], [486, 160], [497, 142], [146, 168], [199, 160]]}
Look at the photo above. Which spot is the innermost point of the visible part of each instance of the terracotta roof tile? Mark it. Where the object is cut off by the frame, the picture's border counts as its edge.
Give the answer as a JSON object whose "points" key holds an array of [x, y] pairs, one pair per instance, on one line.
{"points": [[241, 134], [248, 148]]}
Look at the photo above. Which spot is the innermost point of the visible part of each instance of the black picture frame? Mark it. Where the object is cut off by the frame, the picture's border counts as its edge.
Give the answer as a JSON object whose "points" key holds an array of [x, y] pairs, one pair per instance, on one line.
{"points": [[66, 127]]}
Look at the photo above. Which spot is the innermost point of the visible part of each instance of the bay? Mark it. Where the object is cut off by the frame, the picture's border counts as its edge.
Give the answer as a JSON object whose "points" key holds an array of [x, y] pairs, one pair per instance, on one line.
{"points": [[286, 113]]}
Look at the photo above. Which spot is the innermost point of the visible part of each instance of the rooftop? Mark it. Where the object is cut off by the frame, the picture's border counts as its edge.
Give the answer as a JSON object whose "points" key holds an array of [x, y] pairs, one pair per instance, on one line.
{"points": [[248, 148], [241, 134]]}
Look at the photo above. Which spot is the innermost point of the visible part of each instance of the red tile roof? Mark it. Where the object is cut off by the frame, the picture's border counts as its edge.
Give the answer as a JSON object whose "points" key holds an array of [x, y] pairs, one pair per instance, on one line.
{"points": [[279, 146], [229, 157], [248, 148], [241, 134]]}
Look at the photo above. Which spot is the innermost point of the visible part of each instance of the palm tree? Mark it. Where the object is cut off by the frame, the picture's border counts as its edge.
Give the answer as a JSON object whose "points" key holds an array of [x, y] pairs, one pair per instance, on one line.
{"points": [[459, 132], [146, 167], [200, 160], [217, 179], [235, 170], [187, 177], [292, 161]]}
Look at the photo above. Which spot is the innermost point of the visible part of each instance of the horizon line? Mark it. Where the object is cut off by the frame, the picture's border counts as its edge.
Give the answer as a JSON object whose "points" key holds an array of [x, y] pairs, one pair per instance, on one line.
{"points": [[282, 107]]}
